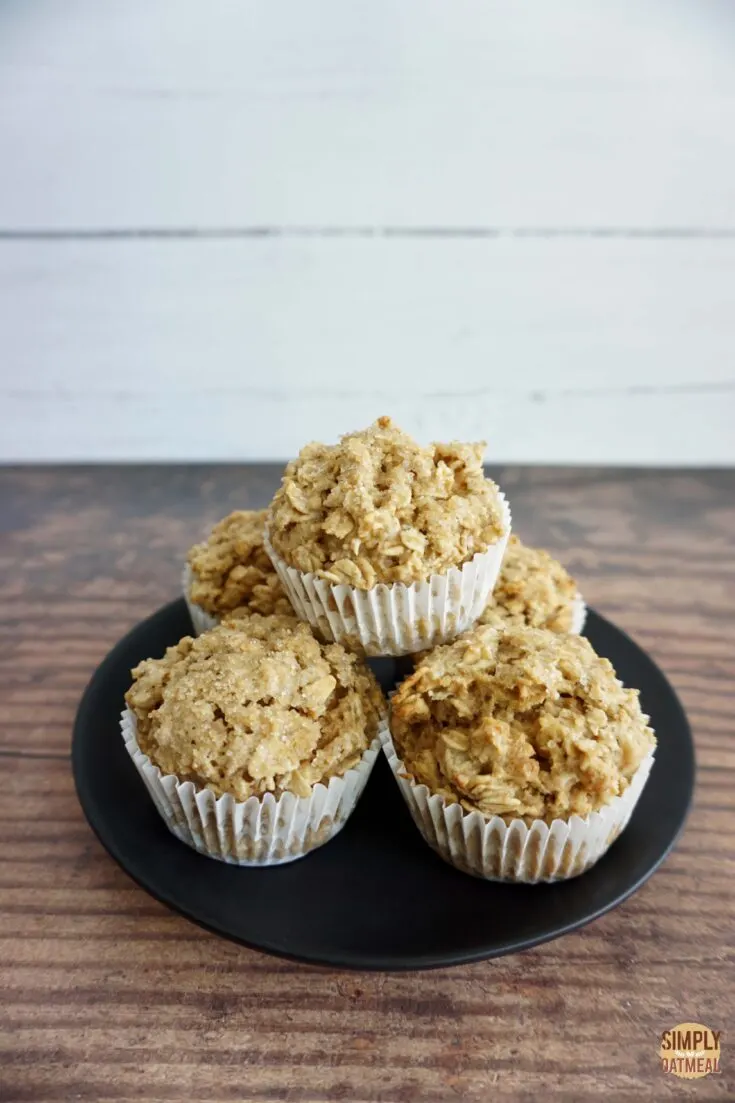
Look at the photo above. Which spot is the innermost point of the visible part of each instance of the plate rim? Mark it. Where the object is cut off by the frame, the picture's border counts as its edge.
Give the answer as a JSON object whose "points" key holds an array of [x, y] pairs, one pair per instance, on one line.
{"points": [[349, 961]]}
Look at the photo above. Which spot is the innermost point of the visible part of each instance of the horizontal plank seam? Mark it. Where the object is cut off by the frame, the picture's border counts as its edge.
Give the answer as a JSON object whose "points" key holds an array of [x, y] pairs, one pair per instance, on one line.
{"points": [[187, 233]]}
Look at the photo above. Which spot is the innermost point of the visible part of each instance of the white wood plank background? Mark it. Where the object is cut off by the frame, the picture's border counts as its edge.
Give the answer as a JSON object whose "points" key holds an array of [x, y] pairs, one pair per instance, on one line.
{"points": [[227, 226], [394, 112]]}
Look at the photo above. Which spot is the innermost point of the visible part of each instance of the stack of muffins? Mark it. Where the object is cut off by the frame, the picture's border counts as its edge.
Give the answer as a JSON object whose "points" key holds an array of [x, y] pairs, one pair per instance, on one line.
{"points": [[518, 751]]}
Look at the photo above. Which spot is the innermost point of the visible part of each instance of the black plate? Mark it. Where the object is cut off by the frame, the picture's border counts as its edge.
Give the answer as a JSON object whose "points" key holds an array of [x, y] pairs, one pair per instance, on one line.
{"points": [[376, 897]]}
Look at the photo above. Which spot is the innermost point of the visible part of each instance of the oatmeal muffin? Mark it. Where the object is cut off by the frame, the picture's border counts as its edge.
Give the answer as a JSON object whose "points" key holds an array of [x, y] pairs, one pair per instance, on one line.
{"points": [[533, 590], [255, 708], [231, 569], [355, 524], [257, 705], [377, 507], [514, 733]]}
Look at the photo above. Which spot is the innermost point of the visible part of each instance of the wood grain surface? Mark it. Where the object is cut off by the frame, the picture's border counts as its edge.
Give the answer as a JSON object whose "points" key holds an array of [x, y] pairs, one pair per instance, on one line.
{"points": [[105, 995]]}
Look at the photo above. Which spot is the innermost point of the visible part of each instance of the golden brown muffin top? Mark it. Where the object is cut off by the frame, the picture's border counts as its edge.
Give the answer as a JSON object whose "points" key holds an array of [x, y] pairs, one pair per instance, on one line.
{"points": [[231, 568], [523, 724], [533, 590], [256, 705], [377, 507]]}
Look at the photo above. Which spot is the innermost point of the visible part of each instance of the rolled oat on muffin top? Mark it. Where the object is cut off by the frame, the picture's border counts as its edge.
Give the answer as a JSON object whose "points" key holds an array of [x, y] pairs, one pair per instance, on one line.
{"points": [[379, 508], [533, 590], [256, 705], [524, 724], [231, 568]]}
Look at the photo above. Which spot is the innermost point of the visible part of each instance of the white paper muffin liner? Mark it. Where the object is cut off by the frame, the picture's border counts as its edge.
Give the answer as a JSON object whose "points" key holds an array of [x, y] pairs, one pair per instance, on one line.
{"points": [[259, 831], [579, 615], [396, 619], [200, 618], [202, 621], [496, 851]]}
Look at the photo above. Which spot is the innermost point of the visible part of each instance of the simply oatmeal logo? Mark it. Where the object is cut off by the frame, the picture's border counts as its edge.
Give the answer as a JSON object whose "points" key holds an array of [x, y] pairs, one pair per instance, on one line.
{"points": [[690, 1051]]}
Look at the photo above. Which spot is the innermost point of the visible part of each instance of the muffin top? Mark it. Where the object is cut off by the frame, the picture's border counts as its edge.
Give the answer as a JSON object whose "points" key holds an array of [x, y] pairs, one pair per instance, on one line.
{"points": [[377, 507], [232, 569], [525, 724], [256, 705], [532, 590]]}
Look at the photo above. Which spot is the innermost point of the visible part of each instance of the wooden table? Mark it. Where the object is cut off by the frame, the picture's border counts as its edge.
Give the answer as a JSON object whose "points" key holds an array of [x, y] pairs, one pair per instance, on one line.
{"points": [[105, 995]]}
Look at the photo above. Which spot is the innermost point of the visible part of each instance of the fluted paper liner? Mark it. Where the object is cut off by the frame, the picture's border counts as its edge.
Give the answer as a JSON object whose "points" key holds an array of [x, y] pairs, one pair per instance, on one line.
{"points": [[261, 831], [200, 618], [396, 619], [202, 621], [500, 851]]}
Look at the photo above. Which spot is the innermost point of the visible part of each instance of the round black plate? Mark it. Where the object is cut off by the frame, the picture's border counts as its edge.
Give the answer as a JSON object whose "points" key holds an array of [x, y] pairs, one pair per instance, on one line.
{"points": [[376, 897]]}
